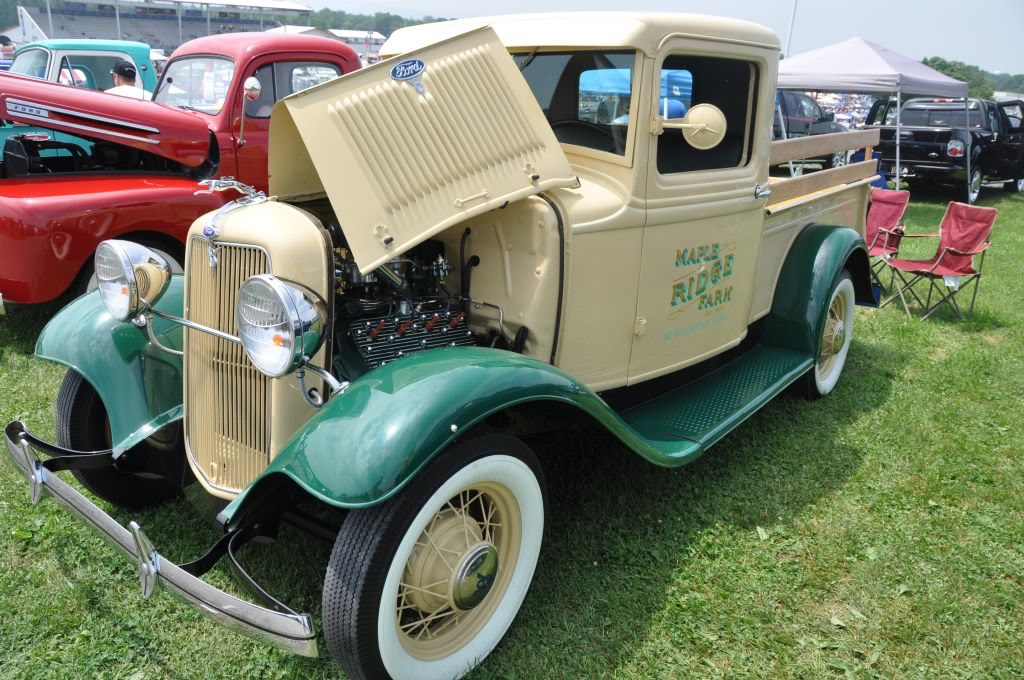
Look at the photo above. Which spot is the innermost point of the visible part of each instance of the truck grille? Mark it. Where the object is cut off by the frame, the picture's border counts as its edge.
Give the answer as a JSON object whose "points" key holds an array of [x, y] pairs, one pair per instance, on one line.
{"points": [[227, 401]]}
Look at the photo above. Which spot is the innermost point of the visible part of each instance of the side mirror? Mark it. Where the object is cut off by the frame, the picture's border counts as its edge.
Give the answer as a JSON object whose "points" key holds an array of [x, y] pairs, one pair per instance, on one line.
{"points": [[251, 91], [828, 116], [703, 126], [252, 88]]}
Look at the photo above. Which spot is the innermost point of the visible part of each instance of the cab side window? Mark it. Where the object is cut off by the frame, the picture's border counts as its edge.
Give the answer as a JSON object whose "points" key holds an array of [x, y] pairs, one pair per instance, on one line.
{"points": [[729, 84], [283, 78], [264, 104]]}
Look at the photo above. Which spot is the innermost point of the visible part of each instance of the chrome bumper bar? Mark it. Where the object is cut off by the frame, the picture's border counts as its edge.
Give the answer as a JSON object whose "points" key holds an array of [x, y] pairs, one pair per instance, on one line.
{"points": [[290, 632]]}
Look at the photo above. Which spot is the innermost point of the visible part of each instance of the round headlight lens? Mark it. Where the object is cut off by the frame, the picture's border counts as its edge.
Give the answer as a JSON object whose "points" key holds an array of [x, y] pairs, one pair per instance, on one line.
{"points": [[129, 276], [116, 279], [280, 324]]}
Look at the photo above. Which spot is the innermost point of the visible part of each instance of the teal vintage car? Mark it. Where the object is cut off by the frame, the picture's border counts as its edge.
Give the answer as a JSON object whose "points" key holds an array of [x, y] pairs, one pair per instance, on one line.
{"points": [[457, 253], [79, 63]]}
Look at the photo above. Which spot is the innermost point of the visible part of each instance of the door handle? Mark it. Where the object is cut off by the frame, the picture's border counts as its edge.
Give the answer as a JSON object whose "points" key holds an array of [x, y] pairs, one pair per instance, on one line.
{"points": [[762, 191]]}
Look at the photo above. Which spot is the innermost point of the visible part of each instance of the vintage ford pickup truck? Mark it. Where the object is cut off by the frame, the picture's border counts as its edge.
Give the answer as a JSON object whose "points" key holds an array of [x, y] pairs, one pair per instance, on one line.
{"points": [[114, 167], [471, 239]]}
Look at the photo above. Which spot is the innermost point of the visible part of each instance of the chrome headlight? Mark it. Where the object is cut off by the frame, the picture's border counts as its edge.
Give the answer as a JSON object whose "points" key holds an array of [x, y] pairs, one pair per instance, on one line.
{"points": [[281, 324], [131, 277]]}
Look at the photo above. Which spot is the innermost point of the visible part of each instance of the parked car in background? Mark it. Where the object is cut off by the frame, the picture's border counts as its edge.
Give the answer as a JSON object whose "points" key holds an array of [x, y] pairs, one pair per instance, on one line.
{"points": [[803, 116], [94, 165], [84, 63], [476, 239], [81, 63], [935, 135]]}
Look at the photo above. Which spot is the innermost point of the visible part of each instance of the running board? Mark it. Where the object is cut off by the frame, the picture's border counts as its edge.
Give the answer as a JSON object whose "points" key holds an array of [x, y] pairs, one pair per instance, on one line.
{"points": [[684, 422]]}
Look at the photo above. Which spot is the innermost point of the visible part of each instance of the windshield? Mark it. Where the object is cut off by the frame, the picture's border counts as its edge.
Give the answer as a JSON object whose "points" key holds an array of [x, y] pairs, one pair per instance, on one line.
{"points": [[31, 63], [585, 95], [197, 83]]}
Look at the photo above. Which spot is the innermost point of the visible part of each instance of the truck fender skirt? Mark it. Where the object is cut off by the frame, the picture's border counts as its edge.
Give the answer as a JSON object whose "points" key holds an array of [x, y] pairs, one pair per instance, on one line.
{"points": [[816, 260], [140, 385], [368, 441]]}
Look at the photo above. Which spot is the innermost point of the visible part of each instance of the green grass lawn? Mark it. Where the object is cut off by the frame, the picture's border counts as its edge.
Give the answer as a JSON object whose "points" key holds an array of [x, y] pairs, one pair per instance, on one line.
{"points": [[875, 533]]}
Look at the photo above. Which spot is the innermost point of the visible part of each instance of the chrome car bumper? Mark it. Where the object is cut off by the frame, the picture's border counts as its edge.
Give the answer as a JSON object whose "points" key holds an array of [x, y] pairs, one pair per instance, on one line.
{"points": [[291, 632]]}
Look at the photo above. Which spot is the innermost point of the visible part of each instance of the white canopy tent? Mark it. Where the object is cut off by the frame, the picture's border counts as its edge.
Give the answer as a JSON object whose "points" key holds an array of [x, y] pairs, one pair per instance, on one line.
{"points": [[860, 66]]}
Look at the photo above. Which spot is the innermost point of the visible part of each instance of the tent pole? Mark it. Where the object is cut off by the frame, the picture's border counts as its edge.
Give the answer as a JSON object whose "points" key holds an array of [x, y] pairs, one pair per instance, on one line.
{"points": [[970, 138], [899, 105], [49, 19], [792, 21], [117, 18], [180, 36]]}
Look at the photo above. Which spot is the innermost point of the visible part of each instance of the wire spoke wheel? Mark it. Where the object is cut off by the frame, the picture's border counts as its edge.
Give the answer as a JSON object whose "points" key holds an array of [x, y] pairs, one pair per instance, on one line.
{"points": [[834, 343], [458, 571]]}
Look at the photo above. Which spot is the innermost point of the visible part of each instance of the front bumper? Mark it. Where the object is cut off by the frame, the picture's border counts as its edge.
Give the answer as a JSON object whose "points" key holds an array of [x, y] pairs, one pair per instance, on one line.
{"points": [[288, 631]]}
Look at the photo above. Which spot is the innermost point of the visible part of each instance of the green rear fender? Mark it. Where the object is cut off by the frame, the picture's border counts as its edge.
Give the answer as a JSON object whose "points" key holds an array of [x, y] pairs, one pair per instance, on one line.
{"points": [[366, 443], [816, 260], [140, 385]]}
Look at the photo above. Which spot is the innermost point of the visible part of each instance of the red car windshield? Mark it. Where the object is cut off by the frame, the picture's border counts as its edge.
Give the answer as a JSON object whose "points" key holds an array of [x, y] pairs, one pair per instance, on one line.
{"points": [[196, 83]]}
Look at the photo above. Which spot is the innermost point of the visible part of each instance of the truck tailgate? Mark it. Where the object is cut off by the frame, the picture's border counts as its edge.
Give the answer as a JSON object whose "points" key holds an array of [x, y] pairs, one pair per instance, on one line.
{"points": [[916, 144]]}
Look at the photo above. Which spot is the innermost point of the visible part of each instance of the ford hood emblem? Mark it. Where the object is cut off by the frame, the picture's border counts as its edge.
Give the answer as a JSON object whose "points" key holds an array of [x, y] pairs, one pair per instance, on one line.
{"points": [[209, 231], [410, 70]]}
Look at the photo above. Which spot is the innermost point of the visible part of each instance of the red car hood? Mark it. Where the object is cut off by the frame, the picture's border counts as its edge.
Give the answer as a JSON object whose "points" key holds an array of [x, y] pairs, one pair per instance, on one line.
{"points": [[175, 134]]}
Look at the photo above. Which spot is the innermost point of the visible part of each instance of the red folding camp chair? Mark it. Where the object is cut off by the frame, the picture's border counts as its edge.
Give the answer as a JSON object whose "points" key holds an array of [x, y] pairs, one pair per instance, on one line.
{"points": [[883, 229], [966, 231]]}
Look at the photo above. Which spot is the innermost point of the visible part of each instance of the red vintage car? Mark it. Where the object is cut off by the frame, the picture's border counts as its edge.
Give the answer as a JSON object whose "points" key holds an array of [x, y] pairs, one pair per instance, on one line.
{"points": [[92, 166]]}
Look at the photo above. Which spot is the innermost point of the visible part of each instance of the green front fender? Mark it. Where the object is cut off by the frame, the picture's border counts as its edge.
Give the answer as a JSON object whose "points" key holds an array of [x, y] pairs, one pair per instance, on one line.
{"points": [[367, 442], [814, 263], [140, 385]]}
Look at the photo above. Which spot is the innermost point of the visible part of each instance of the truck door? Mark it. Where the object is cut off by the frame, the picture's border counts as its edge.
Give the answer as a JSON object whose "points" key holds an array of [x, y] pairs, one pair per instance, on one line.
{"points": [[1012, 152], [278, 79], [704, 213]]}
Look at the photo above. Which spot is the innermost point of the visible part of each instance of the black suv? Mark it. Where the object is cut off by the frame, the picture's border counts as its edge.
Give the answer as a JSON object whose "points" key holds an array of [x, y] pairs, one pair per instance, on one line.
{"points": [[934, 136]]}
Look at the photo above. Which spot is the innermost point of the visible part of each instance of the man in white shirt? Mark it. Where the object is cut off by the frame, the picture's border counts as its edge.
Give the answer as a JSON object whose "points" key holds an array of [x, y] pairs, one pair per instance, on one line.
{"points": [[124, 81]]}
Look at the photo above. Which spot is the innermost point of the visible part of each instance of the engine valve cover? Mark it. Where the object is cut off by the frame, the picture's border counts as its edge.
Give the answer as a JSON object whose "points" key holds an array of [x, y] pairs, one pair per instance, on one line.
{"points": [[383, 339]]}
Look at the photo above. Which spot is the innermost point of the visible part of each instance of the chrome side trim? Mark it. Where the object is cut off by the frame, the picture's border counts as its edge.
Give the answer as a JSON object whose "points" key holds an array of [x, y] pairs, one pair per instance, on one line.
{"points": [[87, 116], [50, 123], [290, 632]]}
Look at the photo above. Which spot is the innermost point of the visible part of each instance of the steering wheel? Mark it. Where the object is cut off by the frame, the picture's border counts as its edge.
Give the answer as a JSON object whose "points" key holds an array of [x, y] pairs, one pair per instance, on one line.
{"points": [[590, 127]]}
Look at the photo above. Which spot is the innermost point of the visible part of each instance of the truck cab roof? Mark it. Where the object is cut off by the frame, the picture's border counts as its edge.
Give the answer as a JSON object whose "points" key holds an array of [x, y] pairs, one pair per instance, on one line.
{"points": [[638, 30], [242, 47]]}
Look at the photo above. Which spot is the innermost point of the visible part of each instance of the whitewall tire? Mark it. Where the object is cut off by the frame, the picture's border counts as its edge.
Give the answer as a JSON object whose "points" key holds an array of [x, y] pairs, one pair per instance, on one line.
{"points": [[836, 336], [425, 585]]}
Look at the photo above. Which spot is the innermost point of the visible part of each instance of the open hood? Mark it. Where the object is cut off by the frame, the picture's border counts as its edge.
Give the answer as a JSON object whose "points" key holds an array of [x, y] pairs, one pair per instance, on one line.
{"points": [[415, 144], [178, 135]]}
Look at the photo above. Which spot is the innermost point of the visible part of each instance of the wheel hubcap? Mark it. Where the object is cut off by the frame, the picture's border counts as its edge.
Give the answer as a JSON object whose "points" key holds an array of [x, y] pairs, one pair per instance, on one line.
{"points": [[474, 577], [839, 338]]}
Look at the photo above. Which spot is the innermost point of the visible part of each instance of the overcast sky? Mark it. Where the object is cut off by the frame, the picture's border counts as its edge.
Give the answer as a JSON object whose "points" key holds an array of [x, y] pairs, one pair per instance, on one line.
{"points": [[989, 33]]}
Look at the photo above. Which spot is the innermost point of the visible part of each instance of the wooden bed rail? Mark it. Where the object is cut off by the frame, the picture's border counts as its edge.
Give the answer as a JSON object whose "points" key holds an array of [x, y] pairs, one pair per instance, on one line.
{"points": [[789, 188], [812, 146]]}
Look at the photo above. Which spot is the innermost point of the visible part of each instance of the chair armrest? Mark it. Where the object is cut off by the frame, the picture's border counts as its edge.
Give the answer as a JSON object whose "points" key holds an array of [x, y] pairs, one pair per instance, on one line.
{"points": [[984, 247], [896, 231], [931, 234]]}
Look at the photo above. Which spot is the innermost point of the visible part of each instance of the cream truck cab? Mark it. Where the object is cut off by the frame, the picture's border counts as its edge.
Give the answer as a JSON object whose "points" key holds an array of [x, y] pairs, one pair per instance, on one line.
{"points": [[563, 215]]}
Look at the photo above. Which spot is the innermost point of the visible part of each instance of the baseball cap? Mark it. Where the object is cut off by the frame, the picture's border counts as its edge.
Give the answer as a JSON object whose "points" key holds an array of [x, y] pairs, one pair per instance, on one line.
{"points": [[123, 68]]}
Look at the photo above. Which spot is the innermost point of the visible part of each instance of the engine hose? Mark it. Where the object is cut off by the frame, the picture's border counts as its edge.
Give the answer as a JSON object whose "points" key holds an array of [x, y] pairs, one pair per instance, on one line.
{"points": [[561, 277]]}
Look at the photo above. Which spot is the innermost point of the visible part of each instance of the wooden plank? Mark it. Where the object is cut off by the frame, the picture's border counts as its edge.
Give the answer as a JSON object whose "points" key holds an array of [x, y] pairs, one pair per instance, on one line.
{"points": [[794, 187], [781, 206], [813, 146]]}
